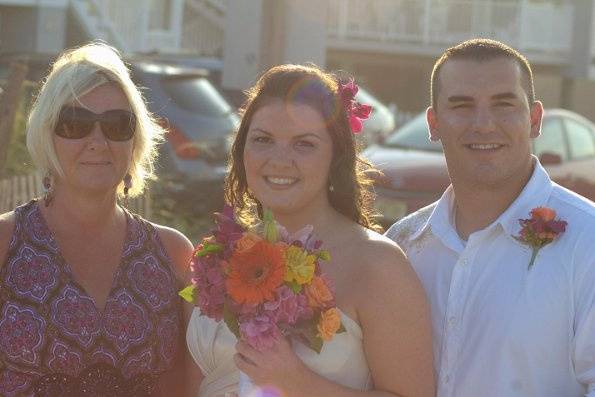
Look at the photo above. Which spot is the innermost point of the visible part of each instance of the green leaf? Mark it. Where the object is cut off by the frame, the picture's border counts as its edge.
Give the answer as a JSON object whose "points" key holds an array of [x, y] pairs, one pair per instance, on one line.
{"points": [[294, 286], [316, 344], [231, 321], [270, 227], [324, 255], [209, 248], [188, 293], [310, 334]]}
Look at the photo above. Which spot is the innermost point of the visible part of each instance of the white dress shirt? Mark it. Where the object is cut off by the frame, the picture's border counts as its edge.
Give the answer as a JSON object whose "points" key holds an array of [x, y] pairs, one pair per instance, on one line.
{"points": [[500, 329]]}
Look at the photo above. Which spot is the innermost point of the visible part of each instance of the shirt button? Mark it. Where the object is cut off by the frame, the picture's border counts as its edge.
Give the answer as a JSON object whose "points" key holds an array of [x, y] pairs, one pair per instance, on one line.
{"points": [[463, 262], [451, 321], [446, 379]]}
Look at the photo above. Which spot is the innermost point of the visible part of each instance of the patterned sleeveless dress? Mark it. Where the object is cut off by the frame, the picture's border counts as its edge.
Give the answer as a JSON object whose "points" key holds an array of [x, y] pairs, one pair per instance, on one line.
{"points": [[54, 341]]}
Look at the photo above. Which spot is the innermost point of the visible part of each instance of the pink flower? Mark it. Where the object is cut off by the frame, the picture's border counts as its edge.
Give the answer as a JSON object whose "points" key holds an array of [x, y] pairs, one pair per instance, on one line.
{"points": [[228, 230], [540, 230], [288, 307], [356, 112], [260, 331], [210, 283]]}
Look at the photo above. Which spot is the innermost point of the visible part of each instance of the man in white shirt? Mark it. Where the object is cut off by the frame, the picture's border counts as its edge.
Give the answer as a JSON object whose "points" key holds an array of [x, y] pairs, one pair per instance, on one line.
{"points": [[500, 328]]}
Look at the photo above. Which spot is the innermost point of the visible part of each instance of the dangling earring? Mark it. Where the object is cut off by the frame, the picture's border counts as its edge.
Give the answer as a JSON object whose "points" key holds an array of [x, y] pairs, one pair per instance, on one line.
{"points": [[331, 188], [127, 186], [47, 189]]}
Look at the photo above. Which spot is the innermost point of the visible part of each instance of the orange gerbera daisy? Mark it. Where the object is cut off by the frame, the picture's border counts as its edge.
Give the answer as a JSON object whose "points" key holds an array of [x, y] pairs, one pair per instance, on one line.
{"points": [[255, 273]]}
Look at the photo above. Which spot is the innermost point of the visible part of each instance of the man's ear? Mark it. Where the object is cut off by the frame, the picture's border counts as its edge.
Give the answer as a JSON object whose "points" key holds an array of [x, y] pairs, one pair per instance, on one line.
{"points": [[432, 124], [536, 115]]}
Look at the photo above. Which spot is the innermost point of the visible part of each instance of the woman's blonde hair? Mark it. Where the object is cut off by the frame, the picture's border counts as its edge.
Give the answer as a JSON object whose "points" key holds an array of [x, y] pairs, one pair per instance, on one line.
{"points": [[75, 73]]}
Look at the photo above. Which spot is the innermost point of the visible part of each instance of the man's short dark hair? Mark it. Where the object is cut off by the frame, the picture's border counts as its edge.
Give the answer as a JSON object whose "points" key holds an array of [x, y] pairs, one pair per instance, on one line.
{"points": [[482, 50]]}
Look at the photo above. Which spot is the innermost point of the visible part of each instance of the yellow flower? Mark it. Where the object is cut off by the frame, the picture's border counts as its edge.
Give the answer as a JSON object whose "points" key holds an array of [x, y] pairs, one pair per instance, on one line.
{"points": [[300, 265], [329, 324]]}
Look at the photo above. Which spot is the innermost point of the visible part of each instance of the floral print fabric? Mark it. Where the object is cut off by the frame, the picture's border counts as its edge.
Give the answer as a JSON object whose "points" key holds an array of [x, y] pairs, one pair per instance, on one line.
{"points": [[53, 338]]}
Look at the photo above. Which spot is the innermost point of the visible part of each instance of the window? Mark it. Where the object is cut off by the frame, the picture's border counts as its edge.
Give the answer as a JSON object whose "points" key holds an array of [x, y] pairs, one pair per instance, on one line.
{"points": [[413, 135], [580, 139], [551, 139], [195, 94]]}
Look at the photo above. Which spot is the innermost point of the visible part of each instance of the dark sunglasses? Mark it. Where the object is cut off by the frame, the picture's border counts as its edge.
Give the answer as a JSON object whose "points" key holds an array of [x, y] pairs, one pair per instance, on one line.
{"points": [[76, 122]]}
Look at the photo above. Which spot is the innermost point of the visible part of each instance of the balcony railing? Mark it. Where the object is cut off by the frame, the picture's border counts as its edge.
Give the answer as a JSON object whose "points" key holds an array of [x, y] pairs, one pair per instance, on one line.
{"points": [[137, 25], [537, 26]]}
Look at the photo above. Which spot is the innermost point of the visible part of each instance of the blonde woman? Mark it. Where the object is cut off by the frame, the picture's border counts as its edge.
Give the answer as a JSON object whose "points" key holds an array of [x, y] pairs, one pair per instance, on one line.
{"points": [[88, 301]]}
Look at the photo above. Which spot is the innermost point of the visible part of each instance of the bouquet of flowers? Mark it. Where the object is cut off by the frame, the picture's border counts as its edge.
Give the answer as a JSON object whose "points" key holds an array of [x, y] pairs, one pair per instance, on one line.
{"points": [[264, 281]]}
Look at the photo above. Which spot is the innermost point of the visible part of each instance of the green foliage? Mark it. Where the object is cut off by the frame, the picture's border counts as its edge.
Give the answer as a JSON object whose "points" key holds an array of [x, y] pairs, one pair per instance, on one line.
{"points": [[231, 320], [187, 211], [208, 248], [188, 293], [18, 161]]}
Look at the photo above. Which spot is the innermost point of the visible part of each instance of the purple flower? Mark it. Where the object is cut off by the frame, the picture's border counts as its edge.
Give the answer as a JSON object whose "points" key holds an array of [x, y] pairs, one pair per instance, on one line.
{"points": [[210, 283], [288, 307], [228, 230], [260, 331]]}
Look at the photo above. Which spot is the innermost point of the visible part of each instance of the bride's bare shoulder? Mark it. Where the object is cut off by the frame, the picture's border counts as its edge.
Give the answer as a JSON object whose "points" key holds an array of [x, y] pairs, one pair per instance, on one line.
{"points": [[370, 252]]}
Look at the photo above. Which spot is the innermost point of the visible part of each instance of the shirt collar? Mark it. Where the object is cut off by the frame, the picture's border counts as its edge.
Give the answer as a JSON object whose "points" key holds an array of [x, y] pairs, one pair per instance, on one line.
{"points": [[536, 193], [439, 218]]}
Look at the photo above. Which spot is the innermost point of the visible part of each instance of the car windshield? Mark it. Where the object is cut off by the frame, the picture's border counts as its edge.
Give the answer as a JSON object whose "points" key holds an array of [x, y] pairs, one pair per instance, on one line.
{"points": [[413, 135], [363, 96], [195, 94]]}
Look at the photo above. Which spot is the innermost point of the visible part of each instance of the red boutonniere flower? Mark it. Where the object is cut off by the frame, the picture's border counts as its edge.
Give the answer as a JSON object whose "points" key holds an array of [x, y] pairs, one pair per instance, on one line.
{"points": [[540, 230], [356, 111]]}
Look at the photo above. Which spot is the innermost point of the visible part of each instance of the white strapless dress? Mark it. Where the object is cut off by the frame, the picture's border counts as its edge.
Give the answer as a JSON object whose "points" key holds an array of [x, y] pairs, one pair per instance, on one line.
{"points": [[212, 346]]}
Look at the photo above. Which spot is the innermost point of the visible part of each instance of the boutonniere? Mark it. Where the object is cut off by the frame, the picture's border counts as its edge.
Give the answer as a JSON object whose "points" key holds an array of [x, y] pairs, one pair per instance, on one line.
{"points": [[540, 230]]}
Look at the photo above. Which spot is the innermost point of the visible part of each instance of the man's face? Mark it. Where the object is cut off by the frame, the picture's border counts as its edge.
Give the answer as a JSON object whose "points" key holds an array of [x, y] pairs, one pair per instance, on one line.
{"points": [[484, 121]]}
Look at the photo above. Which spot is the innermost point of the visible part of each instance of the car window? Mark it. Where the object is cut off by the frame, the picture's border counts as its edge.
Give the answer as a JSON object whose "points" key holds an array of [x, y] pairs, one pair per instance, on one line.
{"points": [[580, 139], [551, 139], [413, 135], [195, 94]]}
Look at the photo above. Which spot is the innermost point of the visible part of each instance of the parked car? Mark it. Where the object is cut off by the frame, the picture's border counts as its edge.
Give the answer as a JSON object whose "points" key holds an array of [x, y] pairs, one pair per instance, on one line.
{"points": [[415, 172], [199, 121], [380, 123]]}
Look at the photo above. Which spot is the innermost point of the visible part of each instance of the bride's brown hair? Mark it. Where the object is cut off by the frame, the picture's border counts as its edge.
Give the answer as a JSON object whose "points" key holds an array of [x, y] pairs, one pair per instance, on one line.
{"points": [[351, 193]]}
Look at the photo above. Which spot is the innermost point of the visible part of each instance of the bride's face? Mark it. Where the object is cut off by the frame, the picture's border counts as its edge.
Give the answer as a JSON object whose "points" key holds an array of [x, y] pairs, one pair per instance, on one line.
{"points": [[287, 157]]}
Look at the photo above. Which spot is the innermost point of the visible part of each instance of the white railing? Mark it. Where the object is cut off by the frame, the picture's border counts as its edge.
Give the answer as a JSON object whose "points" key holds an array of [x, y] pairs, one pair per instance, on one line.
{"points": [[134, 25], [203, 27], [544, 26]]}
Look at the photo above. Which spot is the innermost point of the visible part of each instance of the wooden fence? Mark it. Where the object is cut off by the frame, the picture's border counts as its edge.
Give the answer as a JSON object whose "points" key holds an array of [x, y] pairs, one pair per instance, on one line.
{"points": [[20, 189]]}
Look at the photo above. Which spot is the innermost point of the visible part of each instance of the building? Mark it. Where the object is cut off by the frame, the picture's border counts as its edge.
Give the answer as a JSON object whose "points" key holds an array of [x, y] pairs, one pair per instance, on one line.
{"points": [[390, 45]]}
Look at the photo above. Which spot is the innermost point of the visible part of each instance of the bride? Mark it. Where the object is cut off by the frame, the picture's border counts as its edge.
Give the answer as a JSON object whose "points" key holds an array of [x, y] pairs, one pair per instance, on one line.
{"points": [[295, 154]]}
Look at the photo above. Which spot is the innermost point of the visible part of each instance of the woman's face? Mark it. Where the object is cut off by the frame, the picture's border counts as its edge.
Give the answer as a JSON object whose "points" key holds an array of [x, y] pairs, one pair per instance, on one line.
{"points": [[94, 163], [287, 157]]}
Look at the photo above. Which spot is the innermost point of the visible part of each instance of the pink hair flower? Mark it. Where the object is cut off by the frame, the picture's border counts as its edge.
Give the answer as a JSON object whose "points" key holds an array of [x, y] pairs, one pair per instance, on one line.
{"points": [[356, 112]]}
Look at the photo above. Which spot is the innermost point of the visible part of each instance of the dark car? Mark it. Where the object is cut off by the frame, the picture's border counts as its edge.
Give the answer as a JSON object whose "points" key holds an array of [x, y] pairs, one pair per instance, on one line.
{"points": [[199, 121], [415, 172]]}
